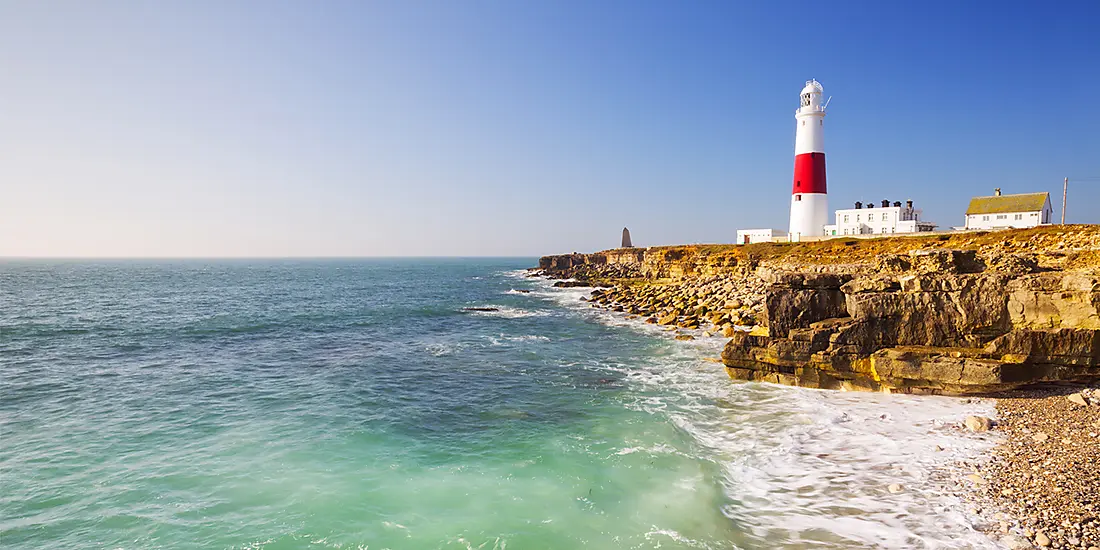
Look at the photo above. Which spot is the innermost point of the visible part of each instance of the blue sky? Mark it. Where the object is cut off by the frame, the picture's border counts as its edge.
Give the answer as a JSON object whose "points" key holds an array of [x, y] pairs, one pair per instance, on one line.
{"points": [[518, 128]]}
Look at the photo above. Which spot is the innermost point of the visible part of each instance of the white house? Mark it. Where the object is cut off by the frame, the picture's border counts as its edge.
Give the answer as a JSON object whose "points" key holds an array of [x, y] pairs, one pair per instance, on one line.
{"points": [[884, 220], [749, 236], [1006, 211]]}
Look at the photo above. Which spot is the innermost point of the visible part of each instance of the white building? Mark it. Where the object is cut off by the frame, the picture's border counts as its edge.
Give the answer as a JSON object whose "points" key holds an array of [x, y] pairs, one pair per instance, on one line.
{"points": [[1006, 211], [750, 236], [884, 220]]}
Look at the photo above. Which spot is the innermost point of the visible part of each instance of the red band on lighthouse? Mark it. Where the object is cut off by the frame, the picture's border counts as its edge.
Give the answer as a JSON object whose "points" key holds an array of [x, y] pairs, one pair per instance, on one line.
{"points": [[809, 173]]}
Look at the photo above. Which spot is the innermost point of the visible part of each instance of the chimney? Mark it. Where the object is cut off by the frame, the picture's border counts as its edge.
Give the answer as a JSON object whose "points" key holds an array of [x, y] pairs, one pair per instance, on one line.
{"points": [[897, 203], [870, 204], [996, 191], [859, 205], [909, 203], [885, 203]]}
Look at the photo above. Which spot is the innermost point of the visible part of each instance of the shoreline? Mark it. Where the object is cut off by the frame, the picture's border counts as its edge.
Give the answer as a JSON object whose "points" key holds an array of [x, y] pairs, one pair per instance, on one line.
{"points": [[1016, 316], [1011, 523], [915, 442]]}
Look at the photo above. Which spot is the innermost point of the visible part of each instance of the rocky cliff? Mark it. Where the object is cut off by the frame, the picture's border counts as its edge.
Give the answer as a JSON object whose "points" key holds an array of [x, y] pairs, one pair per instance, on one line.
{"points": [[955, 328], [958, 314]]}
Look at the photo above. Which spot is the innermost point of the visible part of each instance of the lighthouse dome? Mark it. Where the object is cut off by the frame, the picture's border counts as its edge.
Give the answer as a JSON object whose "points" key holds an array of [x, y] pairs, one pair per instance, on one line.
{"points": [[810, 98]]}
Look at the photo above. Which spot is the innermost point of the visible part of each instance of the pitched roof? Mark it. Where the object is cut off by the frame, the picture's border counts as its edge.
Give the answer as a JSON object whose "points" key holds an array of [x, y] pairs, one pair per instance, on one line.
{"points": [[1003, 204]]}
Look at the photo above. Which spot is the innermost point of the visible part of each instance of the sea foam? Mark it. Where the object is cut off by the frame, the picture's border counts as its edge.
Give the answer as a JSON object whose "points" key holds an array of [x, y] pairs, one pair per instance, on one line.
{"points": [[808, 467]]}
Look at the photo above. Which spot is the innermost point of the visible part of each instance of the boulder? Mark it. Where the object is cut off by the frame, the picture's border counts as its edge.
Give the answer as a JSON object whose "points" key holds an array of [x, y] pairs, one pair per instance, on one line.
{"points": [[1013, 264], [1058, 346], [790, 308], [934, 310], [880, 283], [978, 423], [1055, 300], [1016, 542], [941, 260], [1042, 539]]}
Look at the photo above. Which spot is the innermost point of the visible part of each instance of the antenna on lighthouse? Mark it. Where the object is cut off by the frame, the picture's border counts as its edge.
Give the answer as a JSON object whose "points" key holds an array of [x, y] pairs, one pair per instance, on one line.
{"points": [[826, 103]]}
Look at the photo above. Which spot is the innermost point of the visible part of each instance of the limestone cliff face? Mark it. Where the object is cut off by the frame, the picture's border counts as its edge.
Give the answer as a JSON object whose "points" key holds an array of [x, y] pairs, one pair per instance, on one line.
{"points": [[653, 263], [1055, 300], [951, 326]]}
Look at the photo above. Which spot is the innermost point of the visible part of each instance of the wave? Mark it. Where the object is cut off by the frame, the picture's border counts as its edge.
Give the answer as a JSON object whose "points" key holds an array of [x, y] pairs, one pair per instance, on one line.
{"points": [[807, 467], [507, 312], [444, 349], [502, 340]]}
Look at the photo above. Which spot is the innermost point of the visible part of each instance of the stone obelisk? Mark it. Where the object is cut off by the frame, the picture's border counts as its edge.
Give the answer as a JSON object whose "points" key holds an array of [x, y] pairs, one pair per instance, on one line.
{"points": [[626, 239]]}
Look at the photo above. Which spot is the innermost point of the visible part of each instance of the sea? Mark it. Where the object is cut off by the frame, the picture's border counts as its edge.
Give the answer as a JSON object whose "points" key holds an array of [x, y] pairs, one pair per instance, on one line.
{"points": [[355, 404]]}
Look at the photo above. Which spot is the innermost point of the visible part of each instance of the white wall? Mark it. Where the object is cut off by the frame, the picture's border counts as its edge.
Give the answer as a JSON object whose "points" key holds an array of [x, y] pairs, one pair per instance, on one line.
{"points": [[758, 235], [1012, 219], [878, 221]]}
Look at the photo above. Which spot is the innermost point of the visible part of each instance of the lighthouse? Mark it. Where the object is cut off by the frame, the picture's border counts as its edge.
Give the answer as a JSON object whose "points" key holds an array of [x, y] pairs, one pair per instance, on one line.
{"points": [[809, 203]]}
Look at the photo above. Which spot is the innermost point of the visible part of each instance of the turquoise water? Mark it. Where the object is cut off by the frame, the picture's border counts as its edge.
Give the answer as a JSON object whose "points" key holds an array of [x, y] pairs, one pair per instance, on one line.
{"points": [[354, 404]]}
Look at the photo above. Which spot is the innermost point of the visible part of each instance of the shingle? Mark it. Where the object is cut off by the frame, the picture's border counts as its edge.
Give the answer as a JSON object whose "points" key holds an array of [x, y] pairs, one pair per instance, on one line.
{"points": [[1026, 202]]}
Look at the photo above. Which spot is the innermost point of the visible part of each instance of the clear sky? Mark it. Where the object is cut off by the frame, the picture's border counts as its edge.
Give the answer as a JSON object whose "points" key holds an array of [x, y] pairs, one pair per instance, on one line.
{"points": [[518, 128]]}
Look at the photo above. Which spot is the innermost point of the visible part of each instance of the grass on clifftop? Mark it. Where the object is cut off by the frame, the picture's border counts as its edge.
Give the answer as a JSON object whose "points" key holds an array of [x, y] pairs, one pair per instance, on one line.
{"points": [[1082, 239]]}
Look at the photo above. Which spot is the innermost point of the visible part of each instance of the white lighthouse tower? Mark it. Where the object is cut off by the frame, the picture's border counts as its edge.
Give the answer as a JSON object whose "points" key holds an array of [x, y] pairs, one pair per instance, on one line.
{"points": [[809, 202]]}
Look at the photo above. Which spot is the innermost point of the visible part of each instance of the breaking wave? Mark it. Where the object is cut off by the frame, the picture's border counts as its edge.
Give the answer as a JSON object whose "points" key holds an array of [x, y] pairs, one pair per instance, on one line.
{"points": [[807, 468]]}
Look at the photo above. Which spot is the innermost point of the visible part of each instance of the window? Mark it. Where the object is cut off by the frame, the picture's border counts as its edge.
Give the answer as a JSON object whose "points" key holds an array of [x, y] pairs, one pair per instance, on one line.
{"points": [[857, 218], [885, 216], [803, 122], [845, 218], [845, 231], [1019, 216], [798, 198], [985, 218], [1002, 216]]}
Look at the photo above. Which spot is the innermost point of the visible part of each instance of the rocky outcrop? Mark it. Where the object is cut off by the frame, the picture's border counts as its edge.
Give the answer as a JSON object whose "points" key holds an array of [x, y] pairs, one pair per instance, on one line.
{"points": [[931, 322], [719, 303], [659, 263], [590, 269], [967, 312], [1055, 300]]}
